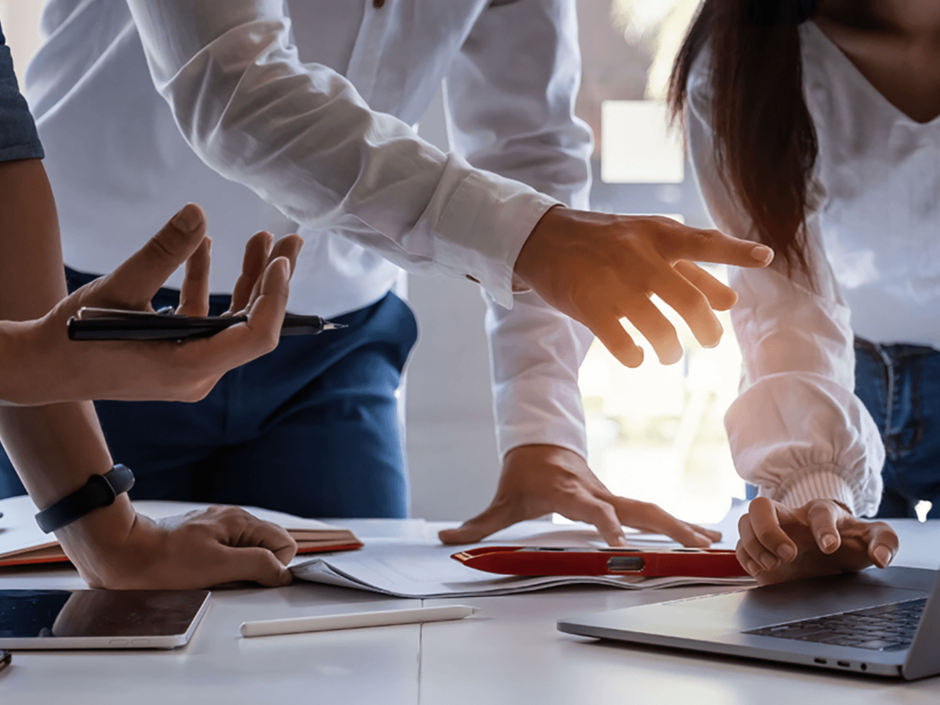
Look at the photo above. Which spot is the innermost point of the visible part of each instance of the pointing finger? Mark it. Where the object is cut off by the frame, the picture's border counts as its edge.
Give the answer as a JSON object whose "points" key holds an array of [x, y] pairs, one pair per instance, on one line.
{"points": [[692, 244]]}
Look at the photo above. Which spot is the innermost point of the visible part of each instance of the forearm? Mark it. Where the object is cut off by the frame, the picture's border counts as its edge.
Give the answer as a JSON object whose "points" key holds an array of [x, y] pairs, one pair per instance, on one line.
{"points": [[54, 448], [535, 354], [301, 137]]}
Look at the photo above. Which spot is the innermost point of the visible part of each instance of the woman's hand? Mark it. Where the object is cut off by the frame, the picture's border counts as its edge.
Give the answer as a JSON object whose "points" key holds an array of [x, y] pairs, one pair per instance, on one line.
{"points": [[819, 538], [56, 369], [118, 549], [539, 480]]}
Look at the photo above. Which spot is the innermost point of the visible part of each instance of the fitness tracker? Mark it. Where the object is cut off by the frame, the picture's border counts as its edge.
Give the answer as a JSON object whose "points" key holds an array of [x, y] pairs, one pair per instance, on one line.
{"points": [[100, 491]]}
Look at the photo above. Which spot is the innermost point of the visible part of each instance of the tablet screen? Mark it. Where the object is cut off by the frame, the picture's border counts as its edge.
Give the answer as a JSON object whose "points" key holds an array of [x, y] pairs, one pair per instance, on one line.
{"points": [[51, 614]]}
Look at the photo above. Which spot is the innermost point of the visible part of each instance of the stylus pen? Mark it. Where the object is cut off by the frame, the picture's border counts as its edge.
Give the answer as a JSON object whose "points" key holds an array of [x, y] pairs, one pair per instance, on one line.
{"points": [[331, 622]]}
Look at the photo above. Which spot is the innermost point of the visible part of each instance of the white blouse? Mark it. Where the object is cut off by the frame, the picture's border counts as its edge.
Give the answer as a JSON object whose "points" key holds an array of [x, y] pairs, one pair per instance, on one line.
{"points": [[798, 431]]}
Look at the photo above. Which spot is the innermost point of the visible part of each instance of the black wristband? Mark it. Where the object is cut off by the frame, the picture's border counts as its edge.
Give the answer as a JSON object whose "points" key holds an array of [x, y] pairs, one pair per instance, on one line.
{"points": [[100, 491]]}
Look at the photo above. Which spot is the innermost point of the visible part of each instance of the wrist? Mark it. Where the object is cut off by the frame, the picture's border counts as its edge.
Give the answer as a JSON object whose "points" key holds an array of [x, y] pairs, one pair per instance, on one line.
{"points": [[529, 259], [92, 541]]}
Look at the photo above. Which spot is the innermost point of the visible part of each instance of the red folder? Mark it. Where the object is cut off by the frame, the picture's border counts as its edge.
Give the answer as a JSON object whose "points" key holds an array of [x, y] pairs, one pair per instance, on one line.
{"points": [[536, 561]]}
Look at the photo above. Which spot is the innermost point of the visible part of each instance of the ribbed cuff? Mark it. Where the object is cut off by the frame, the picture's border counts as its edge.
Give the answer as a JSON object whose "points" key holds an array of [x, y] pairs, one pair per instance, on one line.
{"points": [[816, 483]]}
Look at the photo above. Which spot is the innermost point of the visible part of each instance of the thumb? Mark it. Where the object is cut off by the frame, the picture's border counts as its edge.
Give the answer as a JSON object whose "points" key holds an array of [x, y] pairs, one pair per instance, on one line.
{"points": [[138, 279], [492, 519], [254, 564]]}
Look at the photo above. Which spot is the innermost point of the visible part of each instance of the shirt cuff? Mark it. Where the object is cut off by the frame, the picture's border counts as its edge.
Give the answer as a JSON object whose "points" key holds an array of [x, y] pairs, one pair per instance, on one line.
{"points": [[538, 414], [484, 226], [816, 483]]}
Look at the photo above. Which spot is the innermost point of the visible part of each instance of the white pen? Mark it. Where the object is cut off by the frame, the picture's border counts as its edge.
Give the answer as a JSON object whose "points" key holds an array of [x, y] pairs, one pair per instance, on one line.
{"points": [[330, 622]]}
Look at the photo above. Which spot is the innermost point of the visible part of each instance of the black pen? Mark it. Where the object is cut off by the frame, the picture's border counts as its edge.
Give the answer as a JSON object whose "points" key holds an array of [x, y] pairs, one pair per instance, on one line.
{"points": [[114, 324]]}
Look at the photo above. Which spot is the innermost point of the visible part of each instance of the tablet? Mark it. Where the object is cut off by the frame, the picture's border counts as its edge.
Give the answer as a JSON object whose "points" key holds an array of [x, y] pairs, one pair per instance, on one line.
{"points": [[99, 619]]}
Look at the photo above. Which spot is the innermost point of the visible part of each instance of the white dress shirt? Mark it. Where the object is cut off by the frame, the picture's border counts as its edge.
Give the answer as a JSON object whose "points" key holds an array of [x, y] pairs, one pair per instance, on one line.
{"points": [[798, 430], [296, 115]]}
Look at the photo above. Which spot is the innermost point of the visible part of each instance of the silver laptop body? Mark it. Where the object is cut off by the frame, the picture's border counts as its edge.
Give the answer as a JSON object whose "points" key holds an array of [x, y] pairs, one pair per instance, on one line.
{"points": [[843, 622]]}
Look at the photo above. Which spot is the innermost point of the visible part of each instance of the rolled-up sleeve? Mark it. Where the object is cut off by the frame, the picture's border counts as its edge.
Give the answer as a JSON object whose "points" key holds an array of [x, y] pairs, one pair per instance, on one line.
{"points": [[797, 430], [510, 94], [305, 141], [18, 136]]}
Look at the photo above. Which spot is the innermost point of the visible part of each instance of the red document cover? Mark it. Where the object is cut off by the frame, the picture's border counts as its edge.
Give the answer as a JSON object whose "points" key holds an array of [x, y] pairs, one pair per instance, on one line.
{"points": [[532, 561]]}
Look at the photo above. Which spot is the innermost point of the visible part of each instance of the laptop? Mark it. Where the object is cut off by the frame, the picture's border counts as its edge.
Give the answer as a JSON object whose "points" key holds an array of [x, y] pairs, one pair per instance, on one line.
{"points": [[877, 622]]}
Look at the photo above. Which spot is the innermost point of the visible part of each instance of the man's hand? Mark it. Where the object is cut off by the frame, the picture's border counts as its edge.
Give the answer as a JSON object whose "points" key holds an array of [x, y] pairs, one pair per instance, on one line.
{"points": [[599, 268], [539, 480], [819, 538], [59, 369], [116, 548]]}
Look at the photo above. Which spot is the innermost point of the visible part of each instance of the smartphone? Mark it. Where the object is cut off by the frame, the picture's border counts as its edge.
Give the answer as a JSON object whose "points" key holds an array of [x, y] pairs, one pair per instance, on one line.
{"points": [[116, 324], [99, 619]]}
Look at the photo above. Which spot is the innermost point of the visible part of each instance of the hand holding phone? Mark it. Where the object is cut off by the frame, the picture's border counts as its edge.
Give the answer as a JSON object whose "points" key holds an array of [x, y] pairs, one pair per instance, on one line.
{"points": [[52, 369], [116, 324]]}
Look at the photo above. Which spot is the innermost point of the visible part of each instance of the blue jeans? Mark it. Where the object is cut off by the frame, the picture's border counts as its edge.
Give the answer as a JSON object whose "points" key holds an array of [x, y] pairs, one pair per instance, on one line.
{"points": [[311, 429], [900, 385]]}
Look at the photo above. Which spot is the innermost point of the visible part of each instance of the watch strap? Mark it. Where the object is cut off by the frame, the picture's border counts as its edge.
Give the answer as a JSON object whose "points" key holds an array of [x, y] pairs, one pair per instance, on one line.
{"points": [[100, 491]]}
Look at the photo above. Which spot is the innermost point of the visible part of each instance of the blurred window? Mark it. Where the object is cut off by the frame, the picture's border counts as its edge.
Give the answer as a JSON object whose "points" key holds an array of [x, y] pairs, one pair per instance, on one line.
{"points": [[655, 433]]}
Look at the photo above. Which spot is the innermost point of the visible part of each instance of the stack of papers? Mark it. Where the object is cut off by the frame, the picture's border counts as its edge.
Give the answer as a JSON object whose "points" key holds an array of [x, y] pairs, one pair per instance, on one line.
{"points": [[22, 542], [424, 570]]}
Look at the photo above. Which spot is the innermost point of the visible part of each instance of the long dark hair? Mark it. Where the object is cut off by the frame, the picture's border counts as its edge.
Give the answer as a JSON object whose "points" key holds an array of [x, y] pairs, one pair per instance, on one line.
{"points": [[765, 142]]}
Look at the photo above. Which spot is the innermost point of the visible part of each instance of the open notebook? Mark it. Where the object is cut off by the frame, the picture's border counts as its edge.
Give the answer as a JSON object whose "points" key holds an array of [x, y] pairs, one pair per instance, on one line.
{"points": [[22, 542]]}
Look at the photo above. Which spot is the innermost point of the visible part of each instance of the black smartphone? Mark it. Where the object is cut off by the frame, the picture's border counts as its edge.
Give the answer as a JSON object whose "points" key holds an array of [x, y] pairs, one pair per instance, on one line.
{"points": [[115, 324], [5, 658]]}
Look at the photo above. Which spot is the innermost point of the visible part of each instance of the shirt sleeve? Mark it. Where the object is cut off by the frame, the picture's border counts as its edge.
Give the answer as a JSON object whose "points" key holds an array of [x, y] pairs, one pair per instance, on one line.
{"points": [[510, 97], [18, 136], [797, 430], [305, 141]]}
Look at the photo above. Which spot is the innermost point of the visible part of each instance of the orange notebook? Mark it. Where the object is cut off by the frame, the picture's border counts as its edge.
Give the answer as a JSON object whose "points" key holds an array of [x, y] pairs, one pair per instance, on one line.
{"points": [[22, 542]]}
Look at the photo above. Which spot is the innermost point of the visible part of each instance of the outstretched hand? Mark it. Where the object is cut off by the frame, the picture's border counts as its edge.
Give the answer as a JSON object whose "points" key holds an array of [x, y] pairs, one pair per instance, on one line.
{"points": [[540, 480], [600, 268], [819, 538], [161, 370]]}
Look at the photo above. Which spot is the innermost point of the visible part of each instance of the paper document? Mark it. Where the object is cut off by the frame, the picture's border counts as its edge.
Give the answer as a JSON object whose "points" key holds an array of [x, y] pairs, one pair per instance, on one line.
{"points": [[425, 570], [22, 542]]}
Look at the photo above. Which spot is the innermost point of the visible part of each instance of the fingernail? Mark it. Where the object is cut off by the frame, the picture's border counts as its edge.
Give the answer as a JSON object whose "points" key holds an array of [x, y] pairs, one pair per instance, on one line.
{"points": [[188, 220], [762, 254], [619, 541], [883, 556], [752, 568], [769, 562], [828, 541], [787, 553]]}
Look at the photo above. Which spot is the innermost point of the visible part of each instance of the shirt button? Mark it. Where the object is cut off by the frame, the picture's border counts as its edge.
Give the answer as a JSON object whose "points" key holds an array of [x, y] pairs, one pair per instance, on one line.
{"points": [[378, 3]]}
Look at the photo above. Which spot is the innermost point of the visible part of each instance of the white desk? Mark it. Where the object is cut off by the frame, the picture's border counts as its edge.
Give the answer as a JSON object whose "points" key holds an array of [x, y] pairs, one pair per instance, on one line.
{"points": [[510, 653]]}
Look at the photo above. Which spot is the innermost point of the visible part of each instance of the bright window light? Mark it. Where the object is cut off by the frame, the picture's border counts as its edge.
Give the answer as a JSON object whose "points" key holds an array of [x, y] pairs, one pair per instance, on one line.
{"points": [[638, 146]]}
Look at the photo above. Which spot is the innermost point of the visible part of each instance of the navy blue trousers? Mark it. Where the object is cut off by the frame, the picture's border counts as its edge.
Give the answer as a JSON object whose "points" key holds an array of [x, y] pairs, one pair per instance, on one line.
{"points": [[900, 386], [311, 429]]}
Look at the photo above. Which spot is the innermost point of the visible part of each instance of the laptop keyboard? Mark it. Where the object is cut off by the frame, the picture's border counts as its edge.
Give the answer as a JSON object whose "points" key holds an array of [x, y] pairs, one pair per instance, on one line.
{"points": [[884, 628]]}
